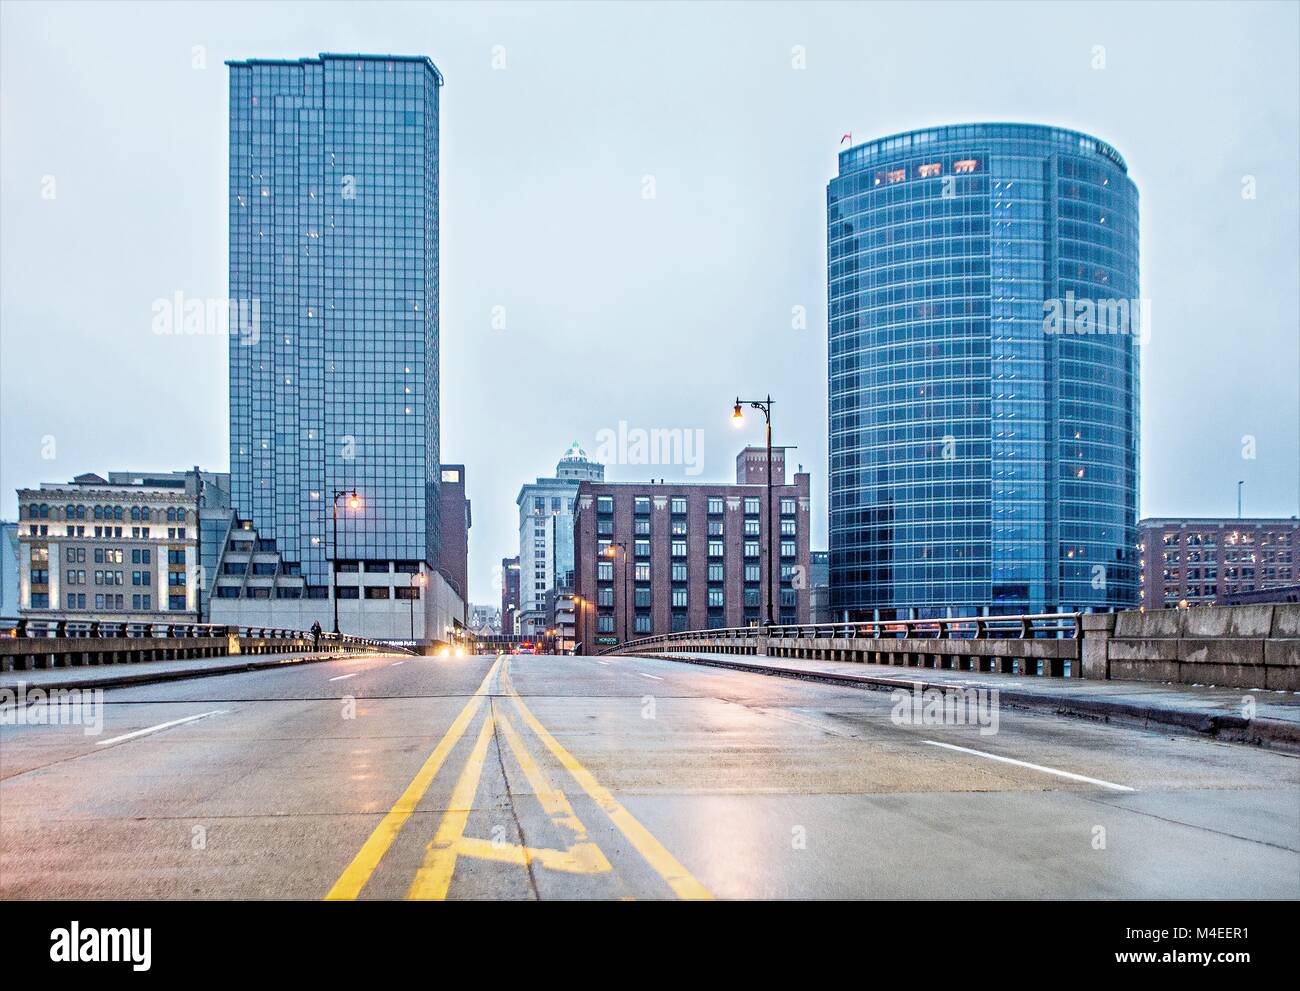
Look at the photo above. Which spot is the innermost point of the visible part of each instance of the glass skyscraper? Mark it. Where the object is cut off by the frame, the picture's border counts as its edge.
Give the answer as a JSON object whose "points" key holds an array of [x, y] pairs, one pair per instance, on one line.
{"points": [[983, 374], [334, 306]]}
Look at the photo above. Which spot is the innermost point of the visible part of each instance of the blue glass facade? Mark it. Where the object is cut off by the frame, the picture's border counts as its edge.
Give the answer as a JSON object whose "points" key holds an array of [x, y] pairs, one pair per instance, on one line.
{"points": [[983, 451], [334, 251]]}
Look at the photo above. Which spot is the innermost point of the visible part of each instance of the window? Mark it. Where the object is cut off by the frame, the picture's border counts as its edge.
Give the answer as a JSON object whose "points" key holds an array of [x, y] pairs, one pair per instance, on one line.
{"points": [[788, 528], [642, 548], [751, 505], [641, 598], [604, 624], [642, 571], [787, 507], [642, 623], [377, 592], [679, 598], [715, 506], [604, 504], [678, 505], [605, 596], [604, 571], [787, 548], [715, 528], [641, 505], [751, 548], [715, 548], [348, 592], [751, 528], [751, 572], [716, 600], [716, 572], [177, 602], [679, 571], [679, 548], [679, 527]]}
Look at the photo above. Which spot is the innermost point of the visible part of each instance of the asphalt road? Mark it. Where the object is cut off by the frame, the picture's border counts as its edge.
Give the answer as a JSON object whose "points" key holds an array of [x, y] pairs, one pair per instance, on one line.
{"points": [[610, 778]]}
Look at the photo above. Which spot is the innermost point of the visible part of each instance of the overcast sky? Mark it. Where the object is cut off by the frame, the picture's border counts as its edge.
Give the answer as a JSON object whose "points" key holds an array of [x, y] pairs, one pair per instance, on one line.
{"points": [[654, 311]]}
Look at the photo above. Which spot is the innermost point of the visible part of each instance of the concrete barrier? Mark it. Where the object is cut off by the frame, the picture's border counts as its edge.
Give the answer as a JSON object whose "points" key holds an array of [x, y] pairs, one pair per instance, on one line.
{"points": [[1251, 646]]}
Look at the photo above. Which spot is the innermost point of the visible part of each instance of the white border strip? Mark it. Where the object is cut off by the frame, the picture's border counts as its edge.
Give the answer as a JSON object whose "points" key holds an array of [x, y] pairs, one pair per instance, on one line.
{"points": [[1032, 767], [155, 729]]}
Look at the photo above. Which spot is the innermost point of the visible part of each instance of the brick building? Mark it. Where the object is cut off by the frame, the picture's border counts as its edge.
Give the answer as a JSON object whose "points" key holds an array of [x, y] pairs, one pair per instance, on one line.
{"points": [[453, 548], [690, 555], [1214, 560]]}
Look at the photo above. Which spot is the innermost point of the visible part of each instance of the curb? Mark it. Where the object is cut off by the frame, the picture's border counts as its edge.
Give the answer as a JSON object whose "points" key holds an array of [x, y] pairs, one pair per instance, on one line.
{"points": [[154, 677], [1271, 733]]}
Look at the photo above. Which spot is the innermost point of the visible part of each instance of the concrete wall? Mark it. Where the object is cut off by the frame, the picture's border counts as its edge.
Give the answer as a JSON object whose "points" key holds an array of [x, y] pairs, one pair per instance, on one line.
{"points": [[1254, 646]]}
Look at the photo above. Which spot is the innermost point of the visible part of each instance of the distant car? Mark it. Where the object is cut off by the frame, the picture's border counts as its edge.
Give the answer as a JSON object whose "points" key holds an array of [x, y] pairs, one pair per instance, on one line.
{"points": [[523, 650]]}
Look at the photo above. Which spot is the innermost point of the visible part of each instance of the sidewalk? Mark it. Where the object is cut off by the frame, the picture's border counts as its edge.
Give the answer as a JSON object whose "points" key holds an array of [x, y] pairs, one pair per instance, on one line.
{"points": [[147, 672], [1209, 711]]}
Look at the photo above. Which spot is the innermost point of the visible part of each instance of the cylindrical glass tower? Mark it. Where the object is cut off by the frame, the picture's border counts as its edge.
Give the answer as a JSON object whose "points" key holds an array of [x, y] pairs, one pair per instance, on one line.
{"points": [[984, 323]]}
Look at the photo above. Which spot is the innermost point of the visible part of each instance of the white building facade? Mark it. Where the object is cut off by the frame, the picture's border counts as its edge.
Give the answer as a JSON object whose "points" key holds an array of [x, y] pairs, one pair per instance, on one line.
{"points": [[546, 535]]}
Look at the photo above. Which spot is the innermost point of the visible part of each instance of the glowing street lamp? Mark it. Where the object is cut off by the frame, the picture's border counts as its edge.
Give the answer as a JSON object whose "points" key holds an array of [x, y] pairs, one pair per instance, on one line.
{"points": [[354, 504], [612, 552], [418, 581]]}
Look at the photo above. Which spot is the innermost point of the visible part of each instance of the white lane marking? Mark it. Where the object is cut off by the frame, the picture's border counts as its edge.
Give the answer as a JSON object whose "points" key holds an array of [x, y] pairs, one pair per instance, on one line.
{"points": [[396, 664], [606, 663], [652, 677], [155, 729], [345, 676], [1032, 767]]}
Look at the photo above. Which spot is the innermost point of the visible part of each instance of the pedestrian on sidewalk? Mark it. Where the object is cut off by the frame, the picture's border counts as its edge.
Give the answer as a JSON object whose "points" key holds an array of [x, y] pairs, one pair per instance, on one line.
{"points": [[315, 635]]}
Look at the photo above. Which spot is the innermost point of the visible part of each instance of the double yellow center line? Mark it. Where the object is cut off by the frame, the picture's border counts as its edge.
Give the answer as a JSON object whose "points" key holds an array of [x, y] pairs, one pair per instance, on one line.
{"points": [[434, 876]]}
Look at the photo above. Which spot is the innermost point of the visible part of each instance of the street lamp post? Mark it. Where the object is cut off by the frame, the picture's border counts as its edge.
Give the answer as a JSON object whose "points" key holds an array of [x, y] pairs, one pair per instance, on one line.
{"points": [[737, 417], [354, 503], [417, 582], [614, 554]]}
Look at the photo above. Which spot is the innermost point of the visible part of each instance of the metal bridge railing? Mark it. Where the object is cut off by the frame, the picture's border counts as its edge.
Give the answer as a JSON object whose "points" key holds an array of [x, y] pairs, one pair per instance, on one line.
{"points": [[1053, 626], [27, 643]]}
